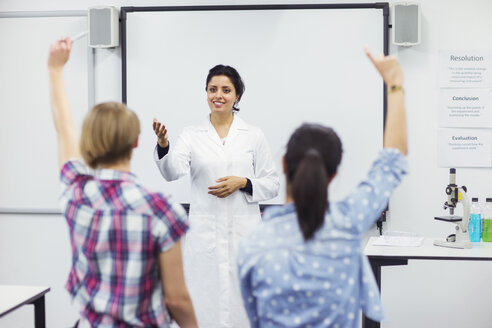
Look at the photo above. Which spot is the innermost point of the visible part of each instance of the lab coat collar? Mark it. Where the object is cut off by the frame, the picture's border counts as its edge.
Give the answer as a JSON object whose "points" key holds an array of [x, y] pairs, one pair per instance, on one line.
{"points": [[237, 125]]}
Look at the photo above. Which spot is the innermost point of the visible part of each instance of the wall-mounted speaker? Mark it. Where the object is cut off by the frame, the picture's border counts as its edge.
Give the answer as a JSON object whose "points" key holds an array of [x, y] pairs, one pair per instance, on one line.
{"points": [[406, 23], [104, 29]]}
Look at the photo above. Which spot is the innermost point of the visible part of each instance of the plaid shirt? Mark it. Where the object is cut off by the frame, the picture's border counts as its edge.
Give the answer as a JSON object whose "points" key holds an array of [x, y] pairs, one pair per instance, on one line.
{"points": [[117, 230]]}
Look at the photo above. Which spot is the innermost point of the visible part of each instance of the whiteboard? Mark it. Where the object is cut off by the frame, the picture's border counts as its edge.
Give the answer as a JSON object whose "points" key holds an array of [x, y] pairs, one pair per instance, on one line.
{"points": [[298, 65], [29, 167]]}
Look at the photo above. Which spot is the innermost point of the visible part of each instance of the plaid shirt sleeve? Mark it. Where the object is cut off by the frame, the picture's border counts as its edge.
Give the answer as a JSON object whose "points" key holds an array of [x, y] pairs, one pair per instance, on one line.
{"points": [[71, 171], [170, 222]]}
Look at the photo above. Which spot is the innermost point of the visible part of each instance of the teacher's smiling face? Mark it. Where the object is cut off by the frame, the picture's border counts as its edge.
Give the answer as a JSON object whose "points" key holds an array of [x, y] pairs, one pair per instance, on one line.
{"points": [[221, 94]]}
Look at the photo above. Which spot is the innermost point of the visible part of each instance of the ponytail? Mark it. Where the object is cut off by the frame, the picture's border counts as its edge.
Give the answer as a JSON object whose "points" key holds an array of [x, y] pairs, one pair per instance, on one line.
{"points": [[310, 193], [311, 160]]}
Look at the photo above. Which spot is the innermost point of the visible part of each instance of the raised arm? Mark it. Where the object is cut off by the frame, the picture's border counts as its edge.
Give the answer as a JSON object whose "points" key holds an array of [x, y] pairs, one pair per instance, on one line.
{"points": [[395, 133], [68, 143]]}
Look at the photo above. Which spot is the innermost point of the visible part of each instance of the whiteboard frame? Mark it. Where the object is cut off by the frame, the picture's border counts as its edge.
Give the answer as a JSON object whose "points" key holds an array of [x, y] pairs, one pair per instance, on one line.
{"points": [[124, 11], [90, 88]]}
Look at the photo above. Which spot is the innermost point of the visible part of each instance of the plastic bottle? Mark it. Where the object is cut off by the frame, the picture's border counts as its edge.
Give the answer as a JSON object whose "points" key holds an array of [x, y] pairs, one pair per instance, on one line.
{"points": [[475, 224], [487, 221]]}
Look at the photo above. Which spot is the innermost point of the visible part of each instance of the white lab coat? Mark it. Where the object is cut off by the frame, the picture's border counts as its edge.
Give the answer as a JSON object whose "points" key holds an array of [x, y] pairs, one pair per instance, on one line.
{"points": [[217, 224]]}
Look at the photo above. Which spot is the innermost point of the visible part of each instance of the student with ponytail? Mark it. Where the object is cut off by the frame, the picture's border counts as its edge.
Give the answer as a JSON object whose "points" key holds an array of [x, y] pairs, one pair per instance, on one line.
{"points": [[303, 266]]}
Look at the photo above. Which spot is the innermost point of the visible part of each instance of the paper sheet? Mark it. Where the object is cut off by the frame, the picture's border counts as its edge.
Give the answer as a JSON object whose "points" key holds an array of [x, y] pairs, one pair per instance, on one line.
{"points": [[464, 147], [465, 69], [404, 241], [465, 108]]}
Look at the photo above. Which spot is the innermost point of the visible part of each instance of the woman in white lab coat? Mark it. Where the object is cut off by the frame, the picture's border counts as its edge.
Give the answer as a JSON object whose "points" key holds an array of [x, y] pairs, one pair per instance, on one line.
{"points": [[231, 170]]}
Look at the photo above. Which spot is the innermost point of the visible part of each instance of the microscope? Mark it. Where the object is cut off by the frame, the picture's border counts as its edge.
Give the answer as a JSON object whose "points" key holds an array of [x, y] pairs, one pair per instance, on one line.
{"points": [[456, 195]]}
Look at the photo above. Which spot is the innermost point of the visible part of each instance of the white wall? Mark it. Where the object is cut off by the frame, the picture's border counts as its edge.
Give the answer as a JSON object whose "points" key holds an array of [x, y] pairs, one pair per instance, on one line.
{"points": [[436, 294], [35, 249]]}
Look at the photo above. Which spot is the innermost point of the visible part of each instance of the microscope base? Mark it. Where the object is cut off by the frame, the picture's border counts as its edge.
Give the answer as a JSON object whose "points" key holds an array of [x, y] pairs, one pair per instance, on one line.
{"points": [[453, 244]]}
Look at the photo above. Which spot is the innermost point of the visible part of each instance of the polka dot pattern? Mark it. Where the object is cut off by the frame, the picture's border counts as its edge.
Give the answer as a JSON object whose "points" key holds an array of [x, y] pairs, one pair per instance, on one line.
{"points": [[326, 281]]}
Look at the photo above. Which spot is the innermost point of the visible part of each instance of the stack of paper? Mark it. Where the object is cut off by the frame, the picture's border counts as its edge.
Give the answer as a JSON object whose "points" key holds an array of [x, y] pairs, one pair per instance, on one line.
{"points": [[405, 241]]}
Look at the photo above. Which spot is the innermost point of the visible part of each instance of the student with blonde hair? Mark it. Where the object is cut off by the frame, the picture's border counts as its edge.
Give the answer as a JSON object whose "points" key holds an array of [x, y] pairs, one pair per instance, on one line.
{"points": [[303, 266], [126, 255]]}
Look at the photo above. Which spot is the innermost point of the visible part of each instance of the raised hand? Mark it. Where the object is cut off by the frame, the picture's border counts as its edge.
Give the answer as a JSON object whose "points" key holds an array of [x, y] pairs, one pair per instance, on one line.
{"points": [[388, 67], [161, 133], [68, 143], [227, 186], [395, 132], [59, 53]]}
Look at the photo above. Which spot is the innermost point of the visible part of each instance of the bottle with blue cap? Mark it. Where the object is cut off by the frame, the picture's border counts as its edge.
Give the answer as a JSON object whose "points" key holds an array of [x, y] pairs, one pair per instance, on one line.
{"points": [[475, 224]]}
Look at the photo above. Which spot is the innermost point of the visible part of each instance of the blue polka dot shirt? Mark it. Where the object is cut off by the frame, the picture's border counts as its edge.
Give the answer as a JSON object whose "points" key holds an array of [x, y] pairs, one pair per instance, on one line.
{"points": [[324, 282]]}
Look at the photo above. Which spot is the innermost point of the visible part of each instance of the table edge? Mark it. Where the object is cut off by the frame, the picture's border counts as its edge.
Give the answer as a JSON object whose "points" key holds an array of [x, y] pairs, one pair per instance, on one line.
{"points": [[28, 301]]}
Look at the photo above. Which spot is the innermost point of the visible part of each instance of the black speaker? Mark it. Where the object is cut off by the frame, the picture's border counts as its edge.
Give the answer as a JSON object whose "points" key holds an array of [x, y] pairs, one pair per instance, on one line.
{"points": [[103, 24], [406, 23]]}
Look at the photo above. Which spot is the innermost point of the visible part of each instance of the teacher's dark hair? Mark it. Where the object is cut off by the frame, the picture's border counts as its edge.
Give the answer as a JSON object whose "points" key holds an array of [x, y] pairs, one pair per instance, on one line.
{"points": [[233, 75], [312, 158]]}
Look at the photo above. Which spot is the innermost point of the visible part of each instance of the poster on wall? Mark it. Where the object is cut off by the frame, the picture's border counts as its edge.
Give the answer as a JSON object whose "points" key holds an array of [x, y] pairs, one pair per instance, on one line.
{"points": [[465, 101], [467, 108], [465, 69], [464, 147]]}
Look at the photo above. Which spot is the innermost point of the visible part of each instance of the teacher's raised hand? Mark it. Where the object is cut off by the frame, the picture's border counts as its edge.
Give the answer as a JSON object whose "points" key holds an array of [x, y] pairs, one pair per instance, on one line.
{"points": [[161, 133]]}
